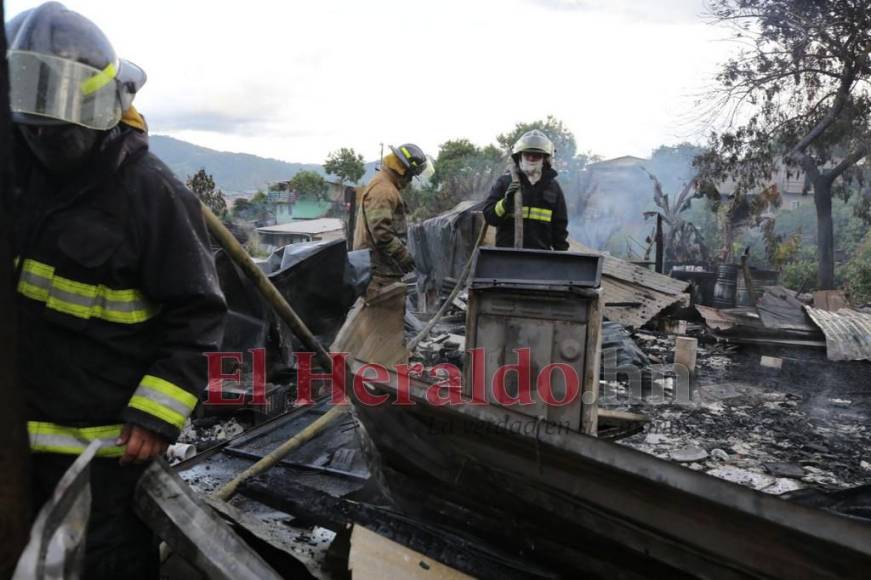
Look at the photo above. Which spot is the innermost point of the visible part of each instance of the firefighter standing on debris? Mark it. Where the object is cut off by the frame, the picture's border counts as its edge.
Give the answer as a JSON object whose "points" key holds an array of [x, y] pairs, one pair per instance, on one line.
{"points": [[545, 220], [381, 216], [118, 292]]}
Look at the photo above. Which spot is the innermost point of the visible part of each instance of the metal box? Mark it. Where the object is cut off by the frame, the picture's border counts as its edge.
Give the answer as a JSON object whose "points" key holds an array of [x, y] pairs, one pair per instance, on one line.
{"points": [[547, 302]]}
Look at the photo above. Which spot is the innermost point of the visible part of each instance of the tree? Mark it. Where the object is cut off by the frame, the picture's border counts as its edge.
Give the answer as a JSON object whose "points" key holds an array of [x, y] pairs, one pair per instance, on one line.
{"points": [[346, 164], [309, 183], [796, 94], [736, 213], [256, 209], [682, 241], [203, 186], [463, 171]]}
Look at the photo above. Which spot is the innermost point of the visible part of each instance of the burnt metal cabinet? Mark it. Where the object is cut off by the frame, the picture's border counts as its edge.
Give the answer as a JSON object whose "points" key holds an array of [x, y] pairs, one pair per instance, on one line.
{"points": [[547, 302]]}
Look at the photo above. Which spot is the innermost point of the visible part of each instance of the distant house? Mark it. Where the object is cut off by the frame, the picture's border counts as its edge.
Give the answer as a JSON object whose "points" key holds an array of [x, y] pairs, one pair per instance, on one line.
{"points": [[302, 231], [288, 206], [794, 189]]}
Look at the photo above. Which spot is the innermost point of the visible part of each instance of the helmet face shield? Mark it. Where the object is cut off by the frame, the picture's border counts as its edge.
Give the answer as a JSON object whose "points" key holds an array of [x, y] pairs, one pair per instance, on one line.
{"points": [[534, 141], [424, 177], [65, 90]]}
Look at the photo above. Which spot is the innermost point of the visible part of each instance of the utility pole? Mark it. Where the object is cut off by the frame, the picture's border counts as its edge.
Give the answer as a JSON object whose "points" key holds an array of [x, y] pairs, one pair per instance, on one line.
{"points": [[14, 453], [660, 250]]}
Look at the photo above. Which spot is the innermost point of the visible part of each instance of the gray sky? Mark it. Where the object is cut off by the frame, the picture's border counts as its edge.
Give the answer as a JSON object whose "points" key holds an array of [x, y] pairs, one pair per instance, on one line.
{"points": [[295, 80]]}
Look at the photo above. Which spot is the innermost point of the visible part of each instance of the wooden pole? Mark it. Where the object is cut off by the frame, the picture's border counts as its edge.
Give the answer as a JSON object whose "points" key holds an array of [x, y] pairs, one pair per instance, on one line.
{"points": [[14, 447], [660, 249], [592, 360], [238, 254], [748, 278], [279, 453], [518, 206]]}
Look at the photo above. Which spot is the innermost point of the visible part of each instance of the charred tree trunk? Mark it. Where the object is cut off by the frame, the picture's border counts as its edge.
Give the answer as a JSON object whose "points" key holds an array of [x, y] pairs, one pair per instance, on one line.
{"points": [[14, 501], [825, 234]]}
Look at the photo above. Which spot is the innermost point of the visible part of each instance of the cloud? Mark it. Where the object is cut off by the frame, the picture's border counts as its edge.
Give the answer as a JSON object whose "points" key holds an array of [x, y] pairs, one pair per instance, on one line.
{"points": [[296, 80]]}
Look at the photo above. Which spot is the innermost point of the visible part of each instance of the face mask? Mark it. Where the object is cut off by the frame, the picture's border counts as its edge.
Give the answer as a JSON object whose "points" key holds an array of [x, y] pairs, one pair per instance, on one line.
{"points": [[61, 149], [532, 169]]}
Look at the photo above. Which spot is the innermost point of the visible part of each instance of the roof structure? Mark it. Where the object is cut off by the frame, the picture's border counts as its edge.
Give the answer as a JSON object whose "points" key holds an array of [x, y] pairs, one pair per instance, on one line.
{"points": [[848, 332], [308, 227], [633, 295]]}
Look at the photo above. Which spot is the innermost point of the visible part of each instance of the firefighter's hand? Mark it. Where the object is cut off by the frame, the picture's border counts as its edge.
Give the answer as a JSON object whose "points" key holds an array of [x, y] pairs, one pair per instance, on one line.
{"points": [[407, 263], [508, 198], [140, 444]]}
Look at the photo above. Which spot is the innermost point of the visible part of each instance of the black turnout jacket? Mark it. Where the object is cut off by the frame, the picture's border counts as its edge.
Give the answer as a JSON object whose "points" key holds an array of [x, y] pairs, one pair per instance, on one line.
{"points": [[545, 220], [118, 297]]}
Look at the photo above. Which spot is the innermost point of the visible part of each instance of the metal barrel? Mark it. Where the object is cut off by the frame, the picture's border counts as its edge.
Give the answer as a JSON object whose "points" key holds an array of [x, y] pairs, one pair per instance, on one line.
{"points": [[761, 279], [725, 287]]}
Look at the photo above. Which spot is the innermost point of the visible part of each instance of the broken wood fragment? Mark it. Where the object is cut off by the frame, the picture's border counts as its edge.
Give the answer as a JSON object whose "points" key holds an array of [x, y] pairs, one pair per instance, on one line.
{"points": [[192, 530], [374, 557]]}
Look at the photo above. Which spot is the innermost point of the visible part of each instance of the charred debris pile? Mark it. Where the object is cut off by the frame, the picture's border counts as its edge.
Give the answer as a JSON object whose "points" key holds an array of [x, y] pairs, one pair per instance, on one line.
{"points": [[764, 432]]}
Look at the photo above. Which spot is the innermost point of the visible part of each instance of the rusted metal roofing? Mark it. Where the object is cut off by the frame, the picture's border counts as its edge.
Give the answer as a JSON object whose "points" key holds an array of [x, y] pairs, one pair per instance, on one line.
{"points": [[848, 332], [634, 295]]}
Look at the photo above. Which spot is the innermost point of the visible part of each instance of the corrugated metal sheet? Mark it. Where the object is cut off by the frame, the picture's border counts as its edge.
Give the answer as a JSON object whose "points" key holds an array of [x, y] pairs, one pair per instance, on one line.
{"points": [[634, 295], [780, 309], [848, 332]]}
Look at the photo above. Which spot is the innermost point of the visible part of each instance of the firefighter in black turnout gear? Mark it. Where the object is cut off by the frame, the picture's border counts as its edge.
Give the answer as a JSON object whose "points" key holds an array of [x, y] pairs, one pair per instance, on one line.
{"points": [[545, 221], [118, 292]]}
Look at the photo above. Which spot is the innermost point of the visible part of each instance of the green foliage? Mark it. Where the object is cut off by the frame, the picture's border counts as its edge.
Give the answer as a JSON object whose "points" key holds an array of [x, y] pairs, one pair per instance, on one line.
{"points": [[346, 164], [241, 206], [800, 275], [463, 171], [857, 273], [803, 220], [794, 96], [254, 209], [309, 183], [203, 186]]}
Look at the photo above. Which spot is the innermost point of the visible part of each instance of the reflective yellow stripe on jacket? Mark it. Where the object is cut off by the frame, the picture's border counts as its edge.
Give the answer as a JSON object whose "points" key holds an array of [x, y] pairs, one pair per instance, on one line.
{"points": [[164, 400], [537, 213], [532, 213], [39, 282], [53, 438]]}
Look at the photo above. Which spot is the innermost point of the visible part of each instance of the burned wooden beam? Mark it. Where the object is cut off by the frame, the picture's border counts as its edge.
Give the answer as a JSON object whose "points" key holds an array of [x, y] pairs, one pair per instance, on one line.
{"points": [[571, 489], [446, 546], [188, 526]]}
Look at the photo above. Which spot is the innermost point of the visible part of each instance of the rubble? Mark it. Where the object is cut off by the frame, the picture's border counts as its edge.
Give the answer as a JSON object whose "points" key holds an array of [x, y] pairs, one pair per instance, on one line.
{"points": [[769, 414], [634, 295], [774, 428]]}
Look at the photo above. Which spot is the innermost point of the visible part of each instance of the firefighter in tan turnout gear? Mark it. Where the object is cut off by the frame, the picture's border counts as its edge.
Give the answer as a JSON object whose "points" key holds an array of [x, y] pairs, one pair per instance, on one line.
{"points": [[381, 216]]}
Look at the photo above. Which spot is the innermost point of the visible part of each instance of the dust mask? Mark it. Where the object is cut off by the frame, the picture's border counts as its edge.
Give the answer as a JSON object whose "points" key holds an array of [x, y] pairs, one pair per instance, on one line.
{"points": [[532, 169]]}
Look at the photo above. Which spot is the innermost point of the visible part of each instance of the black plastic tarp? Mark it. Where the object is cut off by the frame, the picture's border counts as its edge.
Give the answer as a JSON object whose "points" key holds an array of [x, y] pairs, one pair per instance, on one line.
{"points": [[320, 280], [441, 246]]}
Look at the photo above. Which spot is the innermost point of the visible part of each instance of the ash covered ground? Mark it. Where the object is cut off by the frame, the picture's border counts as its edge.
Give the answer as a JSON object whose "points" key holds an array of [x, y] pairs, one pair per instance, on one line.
{"points": [[775, 430]]}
